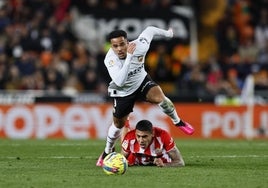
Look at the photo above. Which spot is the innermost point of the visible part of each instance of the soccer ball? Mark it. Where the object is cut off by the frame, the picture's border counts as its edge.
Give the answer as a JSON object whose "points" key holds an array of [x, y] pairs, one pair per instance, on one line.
{"points": [[115, 164]]}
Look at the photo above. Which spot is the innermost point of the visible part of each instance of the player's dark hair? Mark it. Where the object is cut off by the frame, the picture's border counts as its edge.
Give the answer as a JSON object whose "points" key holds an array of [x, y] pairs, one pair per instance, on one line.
{"points": [[144, 125], [117, 33]]}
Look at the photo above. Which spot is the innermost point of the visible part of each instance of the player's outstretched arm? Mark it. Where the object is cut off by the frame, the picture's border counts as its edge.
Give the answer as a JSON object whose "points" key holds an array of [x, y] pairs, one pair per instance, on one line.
{"points": [[176, 158], [152, 31]]}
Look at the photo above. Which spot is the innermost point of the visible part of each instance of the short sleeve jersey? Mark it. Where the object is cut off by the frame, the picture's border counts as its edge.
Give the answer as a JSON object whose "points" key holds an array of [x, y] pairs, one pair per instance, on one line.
{"points": [[161, 144]]}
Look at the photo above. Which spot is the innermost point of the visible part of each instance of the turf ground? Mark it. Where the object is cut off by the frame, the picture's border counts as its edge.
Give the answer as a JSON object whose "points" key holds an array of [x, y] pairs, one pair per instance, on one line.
{"points": [[71, 163]]}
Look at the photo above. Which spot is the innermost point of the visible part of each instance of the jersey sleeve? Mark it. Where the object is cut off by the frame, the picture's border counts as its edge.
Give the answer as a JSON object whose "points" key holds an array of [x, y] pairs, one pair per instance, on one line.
{"points": [[152, 31], [125, 145], [117, 71], [144, 40], [168, 141]]}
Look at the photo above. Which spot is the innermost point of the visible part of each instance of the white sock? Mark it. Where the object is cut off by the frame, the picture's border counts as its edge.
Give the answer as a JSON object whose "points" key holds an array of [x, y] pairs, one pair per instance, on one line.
{"points": [[168, 108], [113, 135]]}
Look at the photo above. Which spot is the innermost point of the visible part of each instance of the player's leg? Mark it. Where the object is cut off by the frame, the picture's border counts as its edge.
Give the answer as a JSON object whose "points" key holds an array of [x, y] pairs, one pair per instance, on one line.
{"points": [[156, 95], [125, 129], [114, 133], [122, 108]]}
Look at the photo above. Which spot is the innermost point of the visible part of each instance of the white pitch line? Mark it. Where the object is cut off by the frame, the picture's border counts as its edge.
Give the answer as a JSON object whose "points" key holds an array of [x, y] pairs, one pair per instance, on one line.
{"points": [[95, 157], [231, 156], [68, 157], [58, 144], [52, 157]]}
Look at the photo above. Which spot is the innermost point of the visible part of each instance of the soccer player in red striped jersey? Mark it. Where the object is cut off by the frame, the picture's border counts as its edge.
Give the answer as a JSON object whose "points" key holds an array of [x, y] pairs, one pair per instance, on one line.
{"points": [[148, 145]]}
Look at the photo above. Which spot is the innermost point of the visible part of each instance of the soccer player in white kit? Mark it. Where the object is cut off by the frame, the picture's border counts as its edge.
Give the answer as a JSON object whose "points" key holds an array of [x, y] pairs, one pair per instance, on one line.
{"points": [[130, 82]]}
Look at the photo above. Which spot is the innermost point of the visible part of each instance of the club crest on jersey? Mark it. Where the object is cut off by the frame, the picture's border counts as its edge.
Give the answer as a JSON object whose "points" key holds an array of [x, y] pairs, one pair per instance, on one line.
{"points": [[140, 58], [111, 63], [125, 144]]}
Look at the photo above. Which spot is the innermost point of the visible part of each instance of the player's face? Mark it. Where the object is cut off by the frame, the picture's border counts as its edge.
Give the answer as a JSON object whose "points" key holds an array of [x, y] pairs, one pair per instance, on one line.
{"points": [[144, 138], [119, 46]]}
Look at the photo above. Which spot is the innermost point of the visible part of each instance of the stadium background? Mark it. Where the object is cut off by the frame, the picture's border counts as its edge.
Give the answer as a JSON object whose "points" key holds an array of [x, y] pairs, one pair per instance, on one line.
{"points": [[53, 81]]}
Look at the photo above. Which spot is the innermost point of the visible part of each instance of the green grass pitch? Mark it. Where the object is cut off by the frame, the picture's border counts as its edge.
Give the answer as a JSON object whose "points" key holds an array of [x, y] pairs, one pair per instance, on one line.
{"points": [[71, 163]]}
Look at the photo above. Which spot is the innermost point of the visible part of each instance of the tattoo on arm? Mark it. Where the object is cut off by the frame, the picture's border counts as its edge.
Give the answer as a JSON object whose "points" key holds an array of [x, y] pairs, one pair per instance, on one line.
{"points": [[176, 158]]}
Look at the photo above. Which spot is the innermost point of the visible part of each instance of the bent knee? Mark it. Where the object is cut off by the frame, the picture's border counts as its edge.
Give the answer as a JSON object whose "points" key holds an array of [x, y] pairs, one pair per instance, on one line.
{"points": [[120, 123], [155, 95]]}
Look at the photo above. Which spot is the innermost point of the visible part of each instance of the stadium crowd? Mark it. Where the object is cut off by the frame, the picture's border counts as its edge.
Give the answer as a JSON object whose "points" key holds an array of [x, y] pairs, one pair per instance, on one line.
{"points": [[39, 51]]}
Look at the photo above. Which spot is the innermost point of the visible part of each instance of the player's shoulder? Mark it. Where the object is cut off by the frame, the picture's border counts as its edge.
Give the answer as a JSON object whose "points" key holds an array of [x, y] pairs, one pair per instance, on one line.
{"points": [[110, 57], [130, 134], [158, 129], [128, 138], [109, 54], [160, 132]]}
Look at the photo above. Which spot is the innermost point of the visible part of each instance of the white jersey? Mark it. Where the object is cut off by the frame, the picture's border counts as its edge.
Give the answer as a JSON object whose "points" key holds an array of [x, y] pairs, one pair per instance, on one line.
{"points": [[128, 74]]}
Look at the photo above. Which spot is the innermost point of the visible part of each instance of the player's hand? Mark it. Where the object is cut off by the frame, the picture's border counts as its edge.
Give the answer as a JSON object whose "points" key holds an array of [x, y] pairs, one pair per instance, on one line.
{"points": [[159, 162], [170, 32], [131, 47]]}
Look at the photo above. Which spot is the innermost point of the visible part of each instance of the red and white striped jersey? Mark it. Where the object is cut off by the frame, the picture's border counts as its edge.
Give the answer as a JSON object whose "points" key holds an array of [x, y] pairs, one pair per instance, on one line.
{"points": [[161, 144]]}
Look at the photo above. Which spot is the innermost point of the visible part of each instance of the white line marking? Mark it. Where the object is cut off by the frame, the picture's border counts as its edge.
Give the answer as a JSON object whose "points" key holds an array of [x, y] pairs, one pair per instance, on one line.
{"points": [[58, 144], [52, 157], [231, 156], [95, 157]]}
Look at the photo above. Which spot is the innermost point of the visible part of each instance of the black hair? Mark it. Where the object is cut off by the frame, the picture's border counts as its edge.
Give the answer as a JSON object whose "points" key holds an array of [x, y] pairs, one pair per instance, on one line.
{"points": [[117, 33], [144, 125]]}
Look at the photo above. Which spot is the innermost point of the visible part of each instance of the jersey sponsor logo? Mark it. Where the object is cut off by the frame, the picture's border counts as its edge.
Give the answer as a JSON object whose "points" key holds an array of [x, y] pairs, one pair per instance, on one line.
{"points": [[137, 70], [143, 40]]}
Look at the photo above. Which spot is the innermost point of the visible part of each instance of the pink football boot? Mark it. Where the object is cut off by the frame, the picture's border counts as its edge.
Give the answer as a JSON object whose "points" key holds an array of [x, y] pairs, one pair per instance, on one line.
{"points": [[186, 128], [100, 160]]}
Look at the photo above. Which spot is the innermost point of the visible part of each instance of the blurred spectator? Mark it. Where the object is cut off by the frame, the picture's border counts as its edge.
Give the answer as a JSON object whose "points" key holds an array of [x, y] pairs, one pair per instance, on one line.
{"points": [[248, 51], [72, 86], [261, 29], [53, 79], [195, 81], [159, 64], [215, 83], [242, 18], [228, 44], [148, 4], [236, 84], [127, 4], [89, 79], [4, 19], [46, 58], [82, 59], [13, 78], [3, 71], [110, 4], [39, 80], [26, 64], [262, 57], [61, 8], [27, 83], [261, 80]]}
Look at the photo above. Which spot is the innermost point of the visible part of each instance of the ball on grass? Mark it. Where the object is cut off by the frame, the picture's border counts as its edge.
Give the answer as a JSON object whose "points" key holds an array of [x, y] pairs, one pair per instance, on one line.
{"points": [[115, 164]]}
